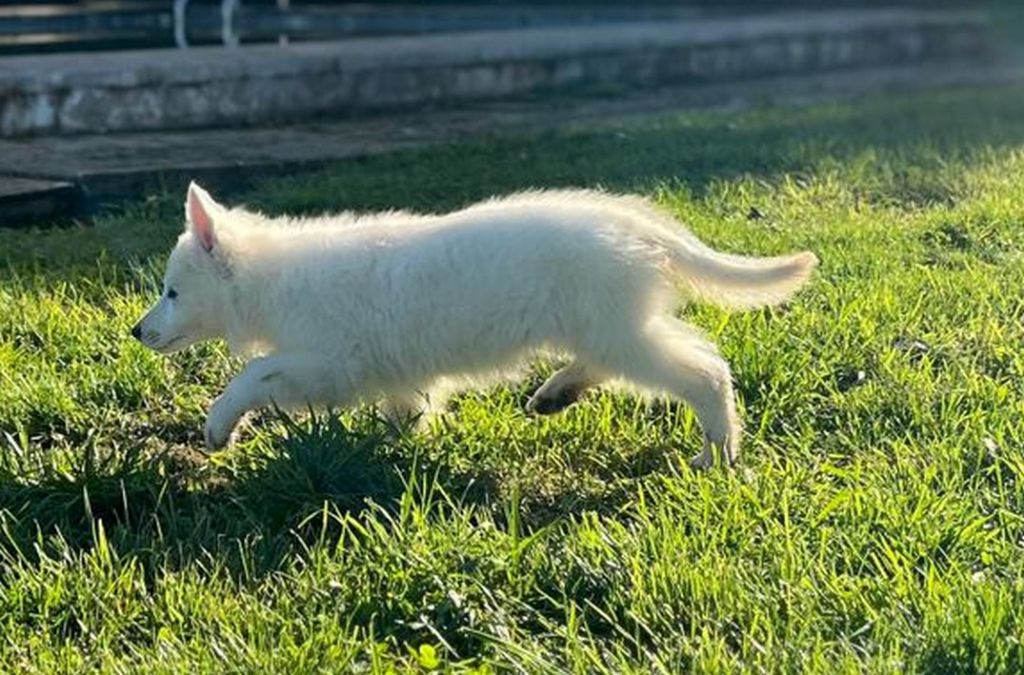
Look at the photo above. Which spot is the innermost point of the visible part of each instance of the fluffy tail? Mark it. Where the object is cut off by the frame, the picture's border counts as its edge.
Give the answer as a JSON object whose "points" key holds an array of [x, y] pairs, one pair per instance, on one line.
{"points": [[719, 278], [738, 281]]}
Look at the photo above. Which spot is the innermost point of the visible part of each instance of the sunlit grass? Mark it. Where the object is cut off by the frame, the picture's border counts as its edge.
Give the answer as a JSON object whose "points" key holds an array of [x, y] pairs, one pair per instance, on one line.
{"points": [[874, 524]]}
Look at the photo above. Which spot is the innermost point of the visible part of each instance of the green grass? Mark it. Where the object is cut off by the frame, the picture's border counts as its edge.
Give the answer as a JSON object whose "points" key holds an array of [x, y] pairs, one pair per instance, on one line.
{"points": [[875, 522]]}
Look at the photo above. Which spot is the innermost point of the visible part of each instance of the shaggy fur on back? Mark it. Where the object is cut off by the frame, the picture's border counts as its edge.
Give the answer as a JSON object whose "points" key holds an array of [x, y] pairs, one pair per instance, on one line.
{"points": [[403, 307]]}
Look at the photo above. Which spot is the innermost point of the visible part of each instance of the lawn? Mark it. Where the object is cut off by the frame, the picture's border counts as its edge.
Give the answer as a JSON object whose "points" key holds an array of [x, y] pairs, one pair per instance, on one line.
{"points": [[874, 523]]}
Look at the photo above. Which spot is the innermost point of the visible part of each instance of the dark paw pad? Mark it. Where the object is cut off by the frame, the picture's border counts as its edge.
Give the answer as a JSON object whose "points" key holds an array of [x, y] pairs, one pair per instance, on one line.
{"points": [[559, 401]]}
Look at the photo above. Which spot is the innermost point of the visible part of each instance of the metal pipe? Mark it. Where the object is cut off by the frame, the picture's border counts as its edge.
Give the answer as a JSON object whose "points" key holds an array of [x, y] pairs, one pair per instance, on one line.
{"points": [[227, 29], [283, 6], [180, 37]]}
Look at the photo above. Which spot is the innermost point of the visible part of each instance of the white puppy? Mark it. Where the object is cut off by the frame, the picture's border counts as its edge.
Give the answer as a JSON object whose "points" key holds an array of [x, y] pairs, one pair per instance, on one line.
{"points": [[398, 306]]}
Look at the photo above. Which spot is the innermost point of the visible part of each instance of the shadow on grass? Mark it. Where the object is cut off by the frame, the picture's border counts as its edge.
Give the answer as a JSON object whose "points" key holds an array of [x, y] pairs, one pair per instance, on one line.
{"points": [[279, 496], [168, 503], [926, 131], [179, 506]]}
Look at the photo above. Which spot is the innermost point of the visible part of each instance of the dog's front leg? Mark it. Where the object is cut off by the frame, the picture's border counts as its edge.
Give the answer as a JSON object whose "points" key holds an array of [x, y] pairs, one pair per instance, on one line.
{"points": [[287, 380]]}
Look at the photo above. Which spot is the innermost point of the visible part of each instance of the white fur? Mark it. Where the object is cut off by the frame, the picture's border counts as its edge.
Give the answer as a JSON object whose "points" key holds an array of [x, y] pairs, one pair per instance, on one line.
{"points": [[399, 306]]}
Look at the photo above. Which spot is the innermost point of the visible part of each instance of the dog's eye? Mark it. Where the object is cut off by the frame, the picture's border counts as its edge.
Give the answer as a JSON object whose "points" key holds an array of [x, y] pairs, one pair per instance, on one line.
{"points": [[171, 293]]}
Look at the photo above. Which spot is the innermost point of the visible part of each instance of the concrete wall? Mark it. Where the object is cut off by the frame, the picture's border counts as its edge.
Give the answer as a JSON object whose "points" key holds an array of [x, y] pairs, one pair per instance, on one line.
{"points": [[164, 89]]}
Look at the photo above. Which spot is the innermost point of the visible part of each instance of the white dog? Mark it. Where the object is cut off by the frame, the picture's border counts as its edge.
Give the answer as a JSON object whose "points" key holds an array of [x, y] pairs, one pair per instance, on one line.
{"points": [[398, 306]]}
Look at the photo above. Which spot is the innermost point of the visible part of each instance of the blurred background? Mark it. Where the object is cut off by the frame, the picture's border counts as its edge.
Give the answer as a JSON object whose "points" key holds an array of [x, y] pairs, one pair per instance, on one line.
{"points": [[103, 100], [35, 26]]}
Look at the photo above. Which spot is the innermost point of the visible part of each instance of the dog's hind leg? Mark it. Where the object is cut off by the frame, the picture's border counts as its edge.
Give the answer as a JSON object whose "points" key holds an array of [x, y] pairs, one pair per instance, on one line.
{"points": [[562, 389], [667, 356]]}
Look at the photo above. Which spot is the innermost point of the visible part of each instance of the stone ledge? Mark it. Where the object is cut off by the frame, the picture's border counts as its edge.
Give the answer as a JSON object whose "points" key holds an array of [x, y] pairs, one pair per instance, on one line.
{"points": [[167, 89], [108, 168], [30, 200]]}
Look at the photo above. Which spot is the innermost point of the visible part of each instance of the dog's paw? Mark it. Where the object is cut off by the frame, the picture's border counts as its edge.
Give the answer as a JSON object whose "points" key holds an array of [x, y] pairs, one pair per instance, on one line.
{"points": [[551, 402], [712, 451], [216, 438], [702, 462], [218, 429]]}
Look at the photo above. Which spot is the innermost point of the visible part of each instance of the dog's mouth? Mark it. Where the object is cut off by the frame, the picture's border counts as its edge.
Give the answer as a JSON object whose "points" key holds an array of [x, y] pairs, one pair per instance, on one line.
{"points": [[169, 345]]}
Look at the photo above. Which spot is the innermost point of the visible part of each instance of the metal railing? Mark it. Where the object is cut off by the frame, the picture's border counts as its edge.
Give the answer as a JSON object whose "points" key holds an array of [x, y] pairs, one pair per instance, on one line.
{"points": [[54, 25], [228, 9]]}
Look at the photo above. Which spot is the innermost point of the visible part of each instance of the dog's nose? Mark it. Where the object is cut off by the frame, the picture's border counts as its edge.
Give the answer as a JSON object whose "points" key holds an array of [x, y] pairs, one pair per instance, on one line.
{"points": [[137, 331]]}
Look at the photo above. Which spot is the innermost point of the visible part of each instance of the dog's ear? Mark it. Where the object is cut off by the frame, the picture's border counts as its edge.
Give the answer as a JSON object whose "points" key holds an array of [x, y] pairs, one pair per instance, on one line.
{"points": [[200, 212]]}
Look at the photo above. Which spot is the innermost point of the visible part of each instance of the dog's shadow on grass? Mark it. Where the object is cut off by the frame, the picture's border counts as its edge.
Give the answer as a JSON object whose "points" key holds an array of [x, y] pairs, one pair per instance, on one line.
{"points": [[180, 505], [249, 511]]}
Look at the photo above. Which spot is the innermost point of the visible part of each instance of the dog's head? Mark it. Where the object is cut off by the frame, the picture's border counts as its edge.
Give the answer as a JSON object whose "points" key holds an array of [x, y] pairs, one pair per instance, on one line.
{"points": [[192, 299]]}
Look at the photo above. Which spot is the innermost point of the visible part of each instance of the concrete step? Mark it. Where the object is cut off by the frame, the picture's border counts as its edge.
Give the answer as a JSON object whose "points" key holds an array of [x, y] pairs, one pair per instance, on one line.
{"points": [[31, 200], [108, 168], [214, 86]]}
